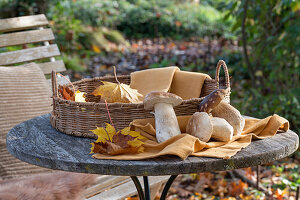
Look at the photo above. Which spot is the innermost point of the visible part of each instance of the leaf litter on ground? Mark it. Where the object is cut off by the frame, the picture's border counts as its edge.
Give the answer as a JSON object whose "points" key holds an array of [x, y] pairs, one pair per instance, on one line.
{"points": [[281, 178]]}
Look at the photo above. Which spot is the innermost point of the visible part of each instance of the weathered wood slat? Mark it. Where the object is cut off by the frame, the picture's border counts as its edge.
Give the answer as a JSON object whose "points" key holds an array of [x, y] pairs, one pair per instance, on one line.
{"points": [[47, 67], [105, 182], [22, 23], [128, 189], [26, 55], [26, 37]]}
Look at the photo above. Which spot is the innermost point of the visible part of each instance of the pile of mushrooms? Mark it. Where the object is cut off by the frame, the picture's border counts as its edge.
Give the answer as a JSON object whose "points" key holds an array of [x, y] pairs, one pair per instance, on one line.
{"points": [[216, 119], [225, 122]]}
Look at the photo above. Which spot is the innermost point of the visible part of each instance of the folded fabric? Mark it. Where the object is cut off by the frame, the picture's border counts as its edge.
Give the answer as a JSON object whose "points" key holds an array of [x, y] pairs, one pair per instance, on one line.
{"points": [[169, 79], [187, 85], [146, 81], [185, 145]]}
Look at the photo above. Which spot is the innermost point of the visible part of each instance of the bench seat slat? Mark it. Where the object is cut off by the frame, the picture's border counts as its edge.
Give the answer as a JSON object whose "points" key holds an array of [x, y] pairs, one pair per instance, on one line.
{"points": [[30, 54], [23, 23], [127, 189], [104, 183], [26, 37], [47, 67]]}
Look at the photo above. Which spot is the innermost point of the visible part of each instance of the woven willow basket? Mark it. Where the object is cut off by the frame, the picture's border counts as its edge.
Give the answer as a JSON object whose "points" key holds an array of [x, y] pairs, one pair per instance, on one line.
{"points": [[78, 118]]}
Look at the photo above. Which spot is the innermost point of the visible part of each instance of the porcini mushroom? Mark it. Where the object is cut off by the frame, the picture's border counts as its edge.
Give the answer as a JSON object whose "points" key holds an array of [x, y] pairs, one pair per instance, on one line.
{"points": [[222, 130], [231, 115], [212, 100], [200, 126], [166, 123]]}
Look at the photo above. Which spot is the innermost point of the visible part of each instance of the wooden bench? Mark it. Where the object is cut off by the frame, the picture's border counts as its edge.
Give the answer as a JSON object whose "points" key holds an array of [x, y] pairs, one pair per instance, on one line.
{"points": [[34, 30]]}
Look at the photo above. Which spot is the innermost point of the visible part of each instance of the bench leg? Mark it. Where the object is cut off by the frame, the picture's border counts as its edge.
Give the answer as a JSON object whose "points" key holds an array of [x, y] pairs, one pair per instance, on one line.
{"points": [[146, 195]]}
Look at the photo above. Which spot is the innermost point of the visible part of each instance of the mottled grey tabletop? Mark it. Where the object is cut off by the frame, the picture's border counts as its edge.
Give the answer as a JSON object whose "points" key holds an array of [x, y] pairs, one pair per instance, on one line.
{"points": [[35, 141]]}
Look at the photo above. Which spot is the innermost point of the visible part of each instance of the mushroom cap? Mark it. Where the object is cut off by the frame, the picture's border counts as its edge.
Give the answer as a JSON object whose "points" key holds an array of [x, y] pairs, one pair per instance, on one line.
{"points": [[161, 97], [200, 126]]}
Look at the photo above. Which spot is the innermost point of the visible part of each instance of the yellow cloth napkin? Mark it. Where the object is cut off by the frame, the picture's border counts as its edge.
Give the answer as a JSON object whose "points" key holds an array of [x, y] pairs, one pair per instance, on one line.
{"points": [[187, 85], [159, 79], [185, 145]]}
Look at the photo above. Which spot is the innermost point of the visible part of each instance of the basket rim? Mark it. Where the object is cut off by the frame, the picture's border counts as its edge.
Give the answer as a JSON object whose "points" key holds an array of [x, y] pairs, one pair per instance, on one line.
{"points": [[116, 104], [97, 78]]}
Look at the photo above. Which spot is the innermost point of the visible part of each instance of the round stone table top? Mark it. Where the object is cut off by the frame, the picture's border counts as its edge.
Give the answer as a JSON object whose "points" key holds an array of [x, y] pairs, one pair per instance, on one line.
{"points": [[35, 141]]}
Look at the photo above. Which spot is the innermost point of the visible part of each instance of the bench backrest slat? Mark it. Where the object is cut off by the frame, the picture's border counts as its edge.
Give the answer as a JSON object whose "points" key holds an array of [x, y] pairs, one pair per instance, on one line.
{"points": [[26, 37], [31, 32], [23, 23], [57, 65], [31, 54]]}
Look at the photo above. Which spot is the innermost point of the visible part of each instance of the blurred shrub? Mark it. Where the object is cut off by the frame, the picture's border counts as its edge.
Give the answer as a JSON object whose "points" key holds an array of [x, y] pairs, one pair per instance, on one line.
{"points": [[143, 18], [269, 75], [77, 33], [15, 8], [166, 19]]}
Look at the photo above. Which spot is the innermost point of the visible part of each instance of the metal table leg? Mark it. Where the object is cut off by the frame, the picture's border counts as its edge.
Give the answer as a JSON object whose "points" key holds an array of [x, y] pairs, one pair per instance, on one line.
{"points": [[145, 195], [146, 187], [167, 187], [138, 187]]}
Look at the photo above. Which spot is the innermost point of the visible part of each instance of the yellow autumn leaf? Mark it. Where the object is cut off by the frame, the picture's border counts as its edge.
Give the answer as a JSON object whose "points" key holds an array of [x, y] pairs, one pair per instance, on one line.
{"points": [[117, 92], [141, 149], [104, 134], [101, 133], [79, 96], [111, 131], [127, 131], [135, 143], [92, 148], [96, 49]]}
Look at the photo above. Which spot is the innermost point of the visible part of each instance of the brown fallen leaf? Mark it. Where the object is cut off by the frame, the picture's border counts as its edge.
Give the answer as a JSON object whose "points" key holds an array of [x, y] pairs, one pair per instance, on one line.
{"points": [[238, 188], [114, 149], [113, 143], [66, 92]]}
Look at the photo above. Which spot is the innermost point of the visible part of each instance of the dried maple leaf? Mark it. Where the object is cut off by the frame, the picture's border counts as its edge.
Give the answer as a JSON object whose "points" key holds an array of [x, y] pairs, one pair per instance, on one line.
{"points": [[112, 149], [112, 143], [122, 140], [68, 94], [280, 194], [238, 188], [127, 131], [104, 134], [117, 92]]}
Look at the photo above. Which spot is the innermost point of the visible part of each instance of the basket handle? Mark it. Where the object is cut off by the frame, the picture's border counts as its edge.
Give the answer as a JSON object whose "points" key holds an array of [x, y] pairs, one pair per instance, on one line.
{"points": [[227, 81], [54, 84]]}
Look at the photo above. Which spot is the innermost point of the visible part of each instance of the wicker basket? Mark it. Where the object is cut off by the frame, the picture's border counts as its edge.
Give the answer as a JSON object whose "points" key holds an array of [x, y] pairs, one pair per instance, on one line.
{"points": [[78, 118]]}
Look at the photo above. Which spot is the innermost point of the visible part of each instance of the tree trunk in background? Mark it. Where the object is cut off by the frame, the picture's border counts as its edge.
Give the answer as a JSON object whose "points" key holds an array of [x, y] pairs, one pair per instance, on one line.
{"points": [[244, 40]]}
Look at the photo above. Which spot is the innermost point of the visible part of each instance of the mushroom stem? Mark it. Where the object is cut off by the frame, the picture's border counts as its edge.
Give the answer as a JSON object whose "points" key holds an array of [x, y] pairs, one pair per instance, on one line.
{"points": [[166, 123], [222, 130]]}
